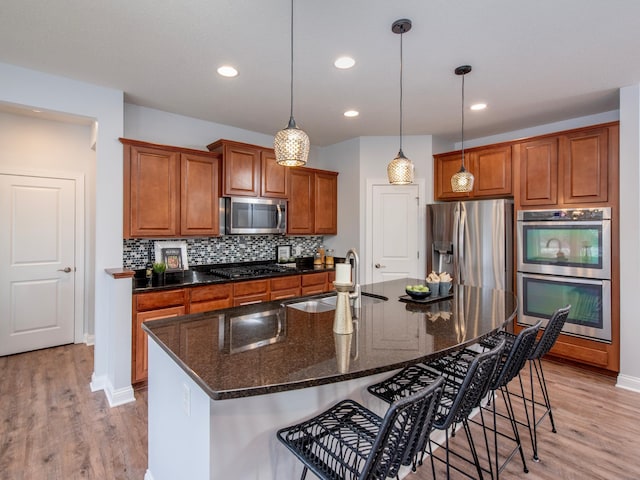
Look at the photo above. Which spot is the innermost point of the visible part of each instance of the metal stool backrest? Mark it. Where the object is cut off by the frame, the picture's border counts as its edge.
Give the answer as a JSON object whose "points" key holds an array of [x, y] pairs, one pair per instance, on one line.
{"points": [[405, 426], [474, 386], [517, 356], [551, 333]]}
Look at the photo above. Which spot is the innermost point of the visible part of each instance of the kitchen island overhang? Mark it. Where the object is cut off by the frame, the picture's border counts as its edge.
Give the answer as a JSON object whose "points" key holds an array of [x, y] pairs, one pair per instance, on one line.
{"points": [[207, 385]]}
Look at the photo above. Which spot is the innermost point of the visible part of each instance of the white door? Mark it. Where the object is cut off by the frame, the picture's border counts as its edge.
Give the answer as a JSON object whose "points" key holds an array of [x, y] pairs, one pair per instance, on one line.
{"points": [[394, 232], [37, 268]]}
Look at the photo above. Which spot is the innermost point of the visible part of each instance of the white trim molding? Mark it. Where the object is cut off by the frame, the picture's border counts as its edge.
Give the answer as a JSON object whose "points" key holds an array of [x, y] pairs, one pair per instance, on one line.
{"points": [[628, 382]]}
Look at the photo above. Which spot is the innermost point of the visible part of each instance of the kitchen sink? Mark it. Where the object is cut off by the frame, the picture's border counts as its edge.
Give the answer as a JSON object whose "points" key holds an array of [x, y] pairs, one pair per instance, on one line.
{"points": [[326, 304]]}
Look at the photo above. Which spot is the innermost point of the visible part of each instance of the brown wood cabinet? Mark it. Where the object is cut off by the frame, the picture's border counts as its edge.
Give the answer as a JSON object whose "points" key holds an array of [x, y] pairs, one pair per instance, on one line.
{"points": [[151, 306], [284, 287], [253, 291], [313, 283], [313, 203], [210, 297], [169, 191], [569, 169], [538, 162], [250, 170], [491, 167]]}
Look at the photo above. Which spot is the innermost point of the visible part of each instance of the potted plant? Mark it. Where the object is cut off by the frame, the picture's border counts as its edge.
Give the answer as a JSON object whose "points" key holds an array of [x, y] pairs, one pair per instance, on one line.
{"points": [[158, 272]]}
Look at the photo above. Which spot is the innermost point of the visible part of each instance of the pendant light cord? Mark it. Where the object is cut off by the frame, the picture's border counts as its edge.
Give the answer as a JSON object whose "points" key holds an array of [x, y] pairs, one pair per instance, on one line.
{"points": [[401, 35], [291, 89], [462, 114]]}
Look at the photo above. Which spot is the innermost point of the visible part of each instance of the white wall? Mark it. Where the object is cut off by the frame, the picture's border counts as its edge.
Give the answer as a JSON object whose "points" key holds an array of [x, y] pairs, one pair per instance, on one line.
{"points": [[541, 129], [344, 157], [42, 145], [629, 237], [23, 87], [155, 126]]}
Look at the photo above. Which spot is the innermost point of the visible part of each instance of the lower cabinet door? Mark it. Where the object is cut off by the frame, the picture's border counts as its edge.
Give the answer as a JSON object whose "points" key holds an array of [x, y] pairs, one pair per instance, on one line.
{"points": [[140, 365]]}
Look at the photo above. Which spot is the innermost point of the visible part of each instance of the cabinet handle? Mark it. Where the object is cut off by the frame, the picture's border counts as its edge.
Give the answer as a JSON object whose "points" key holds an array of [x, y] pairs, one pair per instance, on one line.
{"points": [[251, 302]]}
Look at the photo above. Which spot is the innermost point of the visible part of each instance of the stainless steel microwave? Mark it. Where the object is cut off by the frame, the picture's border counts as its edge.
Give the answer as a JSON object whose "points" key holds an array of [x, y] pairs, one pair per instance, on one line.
{"points": [[254, 216]]}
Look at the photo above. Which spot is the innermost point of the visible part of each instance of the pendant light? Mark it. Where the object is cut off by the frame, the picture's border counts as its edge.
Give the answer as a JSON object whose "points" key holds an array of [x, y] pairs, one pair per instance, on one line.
{"points": [[291, 144], [463, 180], [400, 169]]}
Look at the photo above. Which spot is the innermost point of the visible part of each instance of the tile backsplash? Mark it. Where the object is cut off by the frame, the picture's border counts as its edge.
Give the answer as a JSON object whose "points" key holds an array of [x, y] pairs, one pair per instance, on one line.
{"points": [[225, 249]]}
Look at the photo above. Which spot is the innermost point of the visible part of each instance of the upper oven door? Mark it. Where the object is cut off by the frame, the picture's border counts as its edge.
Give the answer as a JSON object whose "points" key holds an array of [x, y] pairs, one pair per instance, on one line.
{"points": [[571, 248]]}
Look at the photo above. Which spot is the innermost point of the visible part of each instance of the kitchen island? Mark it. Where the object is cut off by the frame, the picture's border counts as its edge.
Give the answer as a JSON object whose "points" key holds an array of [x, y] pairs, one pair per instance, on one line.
{"points": [[221, 383]]}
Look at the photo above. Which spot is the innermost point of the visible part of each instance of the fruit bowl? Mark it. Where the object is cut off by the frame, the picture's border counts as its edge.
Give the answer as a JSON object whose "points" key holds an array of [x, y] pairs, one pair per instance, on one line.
{"points": [[417, 294]]}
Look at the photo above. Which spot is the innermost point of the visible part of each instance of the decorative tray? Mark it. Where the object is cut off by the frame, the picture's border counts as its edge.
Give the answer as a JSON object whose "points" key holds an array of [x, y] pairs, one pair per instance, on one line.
{"points": [[436, 298]]}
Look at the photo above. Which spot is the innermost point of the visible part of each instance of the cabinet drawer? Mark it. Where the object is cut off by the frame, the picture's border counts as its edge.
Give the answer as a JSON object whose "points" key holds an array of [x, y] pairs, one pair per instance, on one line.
{"points": [[314, 279], [211, 292], [255, 287], [283, 283], [288, 293], [155, 300]]}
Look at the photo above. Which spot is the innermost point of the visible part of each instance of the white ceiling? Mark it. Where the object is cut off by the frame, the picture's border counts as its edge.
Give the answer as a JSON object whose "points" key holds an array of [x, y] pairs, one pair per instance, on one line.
{"points": [[534, 62]]}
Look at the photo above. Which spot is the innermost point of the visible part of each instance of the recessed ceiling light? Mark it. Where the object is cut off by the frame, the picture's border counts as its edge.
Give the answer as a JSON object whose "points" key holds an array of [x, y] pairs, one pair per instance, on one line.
{"points": [[351, 113], [227, 71], [344, 62], [36, 111], [478, 106]]}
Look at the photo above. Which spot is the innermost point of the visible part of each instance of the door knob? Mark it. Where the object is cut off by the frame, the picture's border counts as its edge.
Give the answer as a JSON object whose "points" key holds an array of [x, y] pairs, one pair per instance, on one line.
{"points": [[65, 269], [377, 265]]}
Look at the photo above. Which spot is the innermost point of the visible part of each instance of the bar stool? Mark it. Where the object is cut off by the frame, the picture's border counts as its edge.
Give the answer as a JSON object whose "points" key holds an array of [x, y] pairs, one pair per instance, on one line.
{"points": [[541, 348], [348, 441], [515, 355], [465, 386]]}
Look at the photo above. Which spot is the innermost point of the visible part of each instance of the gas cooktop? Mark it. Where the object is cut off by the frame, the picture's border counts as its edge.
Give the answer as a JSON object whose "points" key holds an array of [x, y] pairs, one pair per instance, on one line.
{"points": [[242, 271]]}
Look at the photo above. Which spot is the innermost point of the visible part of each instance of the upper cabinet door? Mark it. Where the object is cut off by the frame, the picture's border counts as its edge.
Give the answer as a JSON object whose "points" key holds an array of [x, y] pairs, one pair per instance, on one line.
{"points": [[326, 203], [199, 204], [492, 170], [300, 216], [241, 171], [538, 171], [446, 166], [152, 188], [584, 166], [274, 178]]}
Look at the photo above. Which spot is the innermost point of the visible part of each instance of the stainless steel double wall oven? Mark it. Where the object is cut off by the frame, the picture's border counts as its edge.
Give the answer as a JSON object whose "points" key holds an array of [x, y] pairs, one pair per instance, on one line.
{"points": [[564, 257]]}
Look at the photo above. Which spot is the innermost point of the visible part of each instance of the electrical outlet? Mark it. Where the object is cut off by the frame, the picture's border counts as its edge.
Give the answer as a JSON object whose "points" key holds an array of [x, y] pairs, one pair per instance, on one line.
{"points": [[186, 399], [298, 251]]}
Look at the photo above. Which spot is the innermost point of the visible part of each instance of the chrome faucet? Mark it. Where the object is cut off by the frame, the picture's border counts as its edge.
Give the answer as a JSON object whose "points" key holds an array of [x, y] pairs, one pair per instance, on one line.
{"points": [[355, 293]]}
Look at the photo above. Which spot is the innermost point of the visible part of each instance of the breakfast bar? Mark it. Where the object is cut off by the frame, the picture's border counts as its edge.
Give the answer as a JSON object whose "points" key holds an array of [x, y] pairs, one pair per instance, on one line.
{"points": [[222, 382]]}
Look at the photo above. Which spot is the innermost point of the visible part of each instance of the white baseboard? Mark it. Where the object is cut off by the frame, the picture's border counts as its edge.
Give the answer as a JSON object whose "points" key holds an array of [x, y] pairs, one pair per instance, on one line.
{"points": [[147, 475], [114, 397], [97, 382], [89, 339], [119, 396], [628, 382]]}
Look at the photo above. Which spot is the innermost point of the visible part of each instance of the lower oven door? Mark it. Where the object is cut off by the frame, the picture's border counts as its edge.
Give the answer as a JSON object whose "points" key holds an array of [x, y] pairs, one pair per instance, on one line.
{"points": [[590, 315]]}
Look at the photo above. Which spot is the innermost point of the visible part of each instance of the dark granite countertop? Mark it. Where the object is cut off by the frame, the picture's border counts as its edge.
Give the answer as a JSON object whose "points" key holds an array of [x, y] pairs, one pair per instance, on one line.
{"points": [[271, 347], [199, 275]]}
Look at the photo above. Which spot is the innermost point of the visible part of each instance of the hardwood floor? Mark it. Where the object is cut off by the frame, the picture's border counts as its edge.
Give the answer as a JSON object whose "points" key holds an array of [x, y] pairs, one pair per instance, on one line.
{"points": [[53, 427]]}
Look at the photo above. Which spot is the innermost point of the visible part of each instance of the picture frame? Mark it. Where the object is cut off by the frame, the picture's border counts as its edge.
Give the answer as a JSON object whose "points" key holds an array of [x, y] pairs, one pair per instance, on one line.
{"points": [[283, 253], [172, 258], [159, 246]]}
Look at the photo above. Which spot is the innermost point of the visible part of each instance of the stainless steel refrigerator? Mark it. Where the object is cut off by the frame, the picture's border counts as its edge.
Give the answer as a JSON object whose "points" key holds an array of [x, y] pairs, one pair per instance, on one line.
{"points": [[472, 241]]}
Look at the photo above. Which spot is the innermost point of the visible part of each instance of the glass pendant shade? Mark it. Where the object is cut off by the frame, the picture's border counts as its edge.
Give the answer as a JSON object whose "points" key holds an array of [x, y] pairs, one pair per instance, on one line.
{"points": [[400, 170], [462, 181], [291, 146]]}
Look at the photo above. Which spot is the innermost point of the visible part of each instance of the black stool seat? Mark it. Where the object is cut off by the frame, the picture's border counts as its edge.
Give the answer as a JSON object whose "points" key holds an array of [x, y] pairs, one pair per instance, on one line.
{"points": [[348, 441], [467, 378]]}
